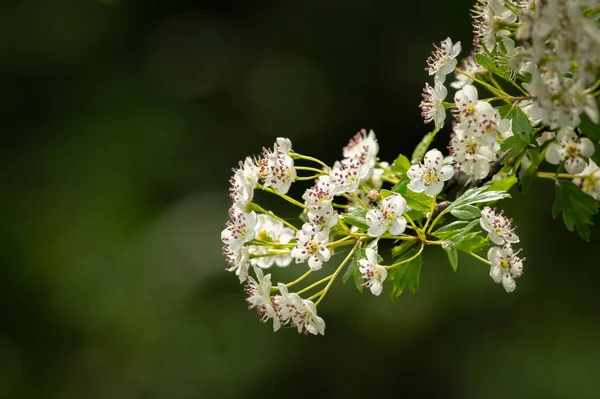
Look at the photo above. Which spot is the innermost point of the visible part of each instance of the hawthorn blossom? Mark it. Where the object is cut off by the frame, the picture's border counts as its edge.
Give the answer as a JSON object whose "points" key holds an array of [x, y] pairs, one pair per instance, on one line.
{"points": [[307, 320], [240, 228], [271, 230], [443, 59], [389, 215], [429, 177], [244, 181], [259, 295], [276, 167], [590, 180], [345, 176], [239, 261], [489, 19], [312, 248], [432, 106], [472, 157], [506, 266], [498, 226], [320, 192], [571, 149], [320, 217], [363, 147], [374, 273], [489, 123], [466, 110]]}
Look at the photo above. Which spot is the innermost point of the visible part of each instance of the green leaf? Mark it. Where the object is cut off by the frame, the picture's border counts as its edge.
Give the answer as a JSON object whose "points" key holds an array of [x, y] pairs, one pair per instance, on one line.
{"points": [[422, 147], [401, 249], [401, 165], [520, 122], [576, 206], [474, 196], [353, 271], [471, 242], [466, 212], [417, 201], [406, 275], [356, 217], [452, 257], [491, 67], [450, 229], [503, 184], [451, 237]]}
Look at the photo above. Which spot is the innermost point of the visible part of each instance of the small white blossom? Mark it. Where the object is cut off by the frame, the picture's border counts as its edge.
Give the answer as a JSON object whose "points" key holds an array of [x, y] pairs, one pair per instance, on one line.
{"points": [[590, 180], [443, 59], [473, 157], [244, 182], [320, 193], [276, 167], [347, 175], [312, 248], [389, 215], [240, 228], [429, 176], [432, 106], [239, 261], [498, 226], [370, 270], [363, 147], [259, 295], [489, 124], [506, 266], [272, 230], [466, 110], [571, 149], [320, 217], [297, 312], [489, 19]]}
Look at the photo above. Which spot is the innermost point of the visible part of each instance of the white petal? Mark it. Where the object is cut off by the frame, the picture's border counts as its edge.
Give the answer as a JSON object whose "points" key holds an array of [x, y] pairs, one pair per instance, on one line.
{"points": [[376, 287], [398, 226], [586, 147], [315, 263], [496, 273], [508, 282], [376, 231], [553, 155], [418, 186], [371, 256], [433, 159], [496, 239], [575, 165], [445, 172], [566, 135], [415, 172], [494, 255], [434, 188]]}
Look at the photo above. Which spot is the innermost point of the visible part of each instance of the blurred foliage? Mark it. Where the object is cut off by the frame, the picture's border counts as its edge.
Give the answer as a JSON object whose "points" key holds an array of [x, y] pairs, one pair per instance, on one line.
{"points": [[121, 121]]}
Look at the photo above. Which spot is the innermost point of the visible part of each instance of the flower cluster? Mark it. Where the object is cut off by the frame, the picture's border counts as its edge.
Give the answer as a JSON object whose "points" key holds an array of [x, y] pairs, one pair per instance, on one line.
{"points": [[539, 63]]}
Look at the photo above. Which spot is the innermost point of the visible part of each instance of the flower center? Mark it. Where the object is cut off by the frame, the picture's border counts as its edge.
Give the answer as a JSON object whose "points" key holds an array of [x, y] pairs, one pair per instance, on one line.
{"points": [[571, 150], [429, 176]]}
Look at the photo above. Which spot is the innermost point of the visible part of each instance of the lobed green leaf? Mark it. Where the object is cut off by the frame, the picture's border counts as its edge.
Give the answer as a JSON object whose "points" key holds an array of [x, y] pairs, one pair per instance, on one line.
{"points": [[576, 206]]}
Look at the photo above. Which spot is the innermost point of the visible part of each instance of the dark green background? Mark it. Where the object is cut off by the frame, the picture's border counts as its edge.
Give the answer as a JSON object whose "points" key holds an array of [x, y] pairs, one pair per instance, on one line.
{"points": [[120, 123]]}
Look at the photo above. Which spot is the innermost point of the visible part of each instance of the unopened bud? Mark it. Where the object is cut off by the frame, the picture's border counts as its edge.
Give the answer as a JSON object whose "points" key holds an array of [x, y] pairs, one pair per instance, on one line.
{"points": [[373, 196]]}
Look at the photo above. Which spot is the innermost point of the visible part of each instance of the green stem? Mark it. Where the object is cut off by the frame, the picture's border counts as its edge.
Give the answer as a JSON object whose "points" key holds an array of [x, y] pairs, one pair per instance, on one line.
{"points": [[337, 272], [313, 285], [473, 254], [433, 205], [319, 171], [299, 279], [295, 155], [487, 86], [285, 197], [554, 176], [298, 178], [360, 202], [390, 267], [258, 208]]}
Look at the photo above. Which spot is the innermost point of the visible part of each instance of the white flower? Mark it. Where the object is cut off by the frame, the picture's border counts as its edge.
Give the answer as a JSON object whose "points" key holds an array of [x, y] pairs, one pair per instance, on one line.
{"points": [[489, 17], [471, 156], [498, 226], [489, 123], [259, 295], [465, 111], [389, 215], [277, 167], [238, 261], [506, 266], [272, 230], [443, 59], [320, 217], [240, 228], [590, 180], [571, 149], [432, 106], [374, 273], [244, 182], [297, 312], [320, 193], [429, 177], [345, 176], [314, 248], [364, 147]]}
